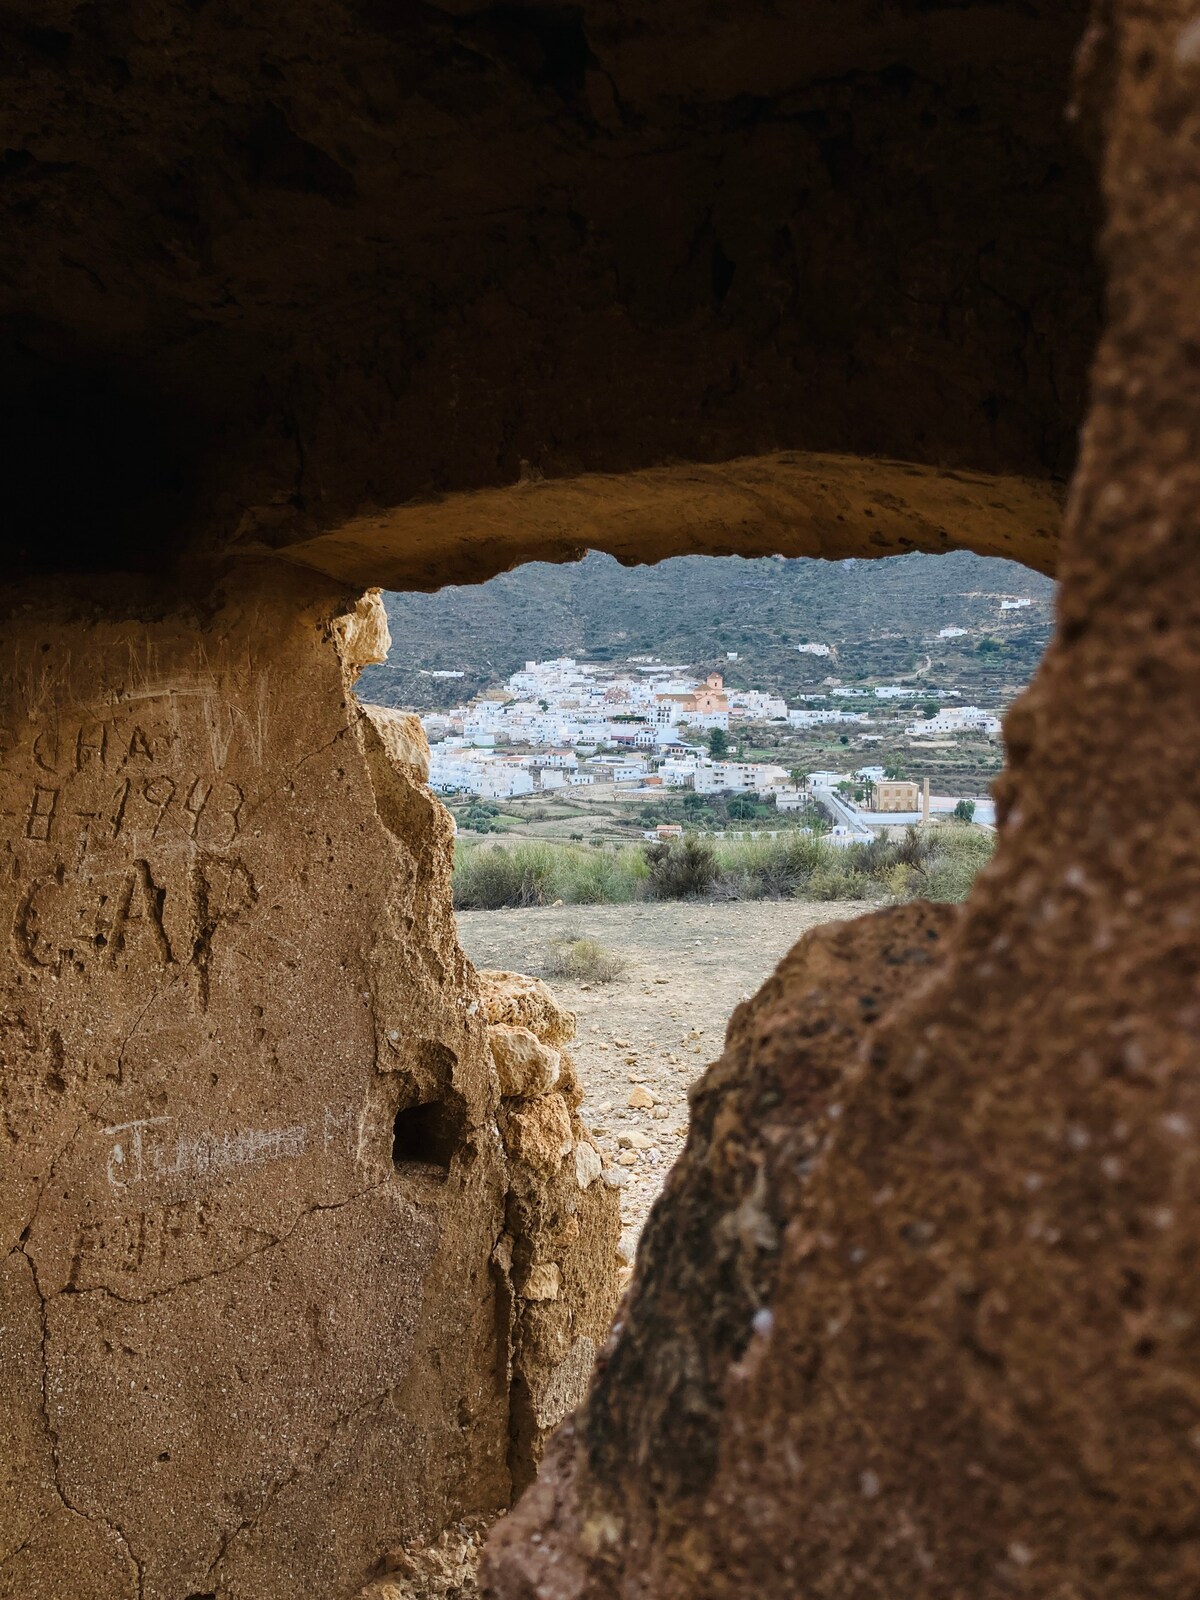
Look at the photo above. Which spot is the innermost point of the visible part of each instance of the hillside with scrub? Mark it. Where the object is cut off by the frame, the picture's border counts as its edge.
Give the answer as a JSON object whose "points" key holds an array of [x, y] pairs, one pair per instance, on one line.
{"points": [[881, 620]]}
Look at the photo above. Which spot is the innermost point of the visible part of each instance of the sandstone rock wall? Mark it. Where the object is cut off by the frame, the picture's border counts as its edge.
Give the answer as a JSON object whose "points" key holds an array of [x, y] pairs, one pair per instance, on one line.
{"points": [[562, 1221], [258, 1309], [265, 274]]}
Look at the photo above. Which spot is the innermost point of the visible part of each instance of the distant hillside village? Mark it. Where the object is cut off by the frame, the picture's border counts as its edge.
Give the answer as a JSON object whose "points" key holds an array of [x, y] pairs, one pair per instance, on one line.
{"points": [[638, 729]]}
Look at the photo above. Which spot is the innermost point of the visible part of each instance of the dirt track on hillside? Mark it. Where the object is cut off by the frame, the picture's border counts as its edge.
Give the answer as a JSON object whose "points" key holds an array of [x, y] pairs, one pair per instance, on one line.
{"points": [[660, 1023]]}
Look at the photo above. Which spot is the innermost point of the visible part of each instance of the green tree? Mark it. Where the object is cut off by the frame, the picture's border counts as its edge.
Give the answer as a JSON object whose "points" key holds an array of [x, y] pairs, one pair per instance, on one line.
{"points": [[718, 744], [965, 811], [929, 709], [894, 770], [743, 806]]}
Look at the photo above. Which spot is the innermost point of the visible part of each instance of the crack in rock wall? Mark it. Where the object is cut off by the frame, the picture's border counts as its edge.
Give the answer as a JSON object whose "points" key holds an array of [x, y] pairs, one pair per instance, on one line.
{"points": [[258, 1338]]}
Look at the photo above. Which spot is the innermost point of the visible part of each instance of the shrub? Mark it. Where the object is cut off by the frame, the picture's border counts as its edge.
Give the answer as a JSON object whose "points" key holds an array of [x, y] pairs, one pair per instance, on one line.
{"points": [[585, 960], [681, 869], [931, 863], [840, 880], [949, 860], [488, 877], [913, 848], [771, 867], [743, 806], [951, 866]]}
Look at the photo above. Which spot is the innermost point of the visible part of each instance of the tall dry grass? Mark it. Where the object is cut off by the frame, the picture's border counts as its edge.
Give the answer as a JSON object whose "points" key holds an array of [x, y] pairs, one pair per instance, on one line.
{"points": [[937, 863]]}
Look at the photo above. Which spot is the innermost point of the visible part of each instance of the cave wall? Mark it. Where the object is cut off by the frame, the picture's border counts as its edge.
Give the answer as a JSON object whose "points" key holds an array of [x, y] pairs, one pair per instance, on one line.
{"points": [[266, 271], [260, 1320]]}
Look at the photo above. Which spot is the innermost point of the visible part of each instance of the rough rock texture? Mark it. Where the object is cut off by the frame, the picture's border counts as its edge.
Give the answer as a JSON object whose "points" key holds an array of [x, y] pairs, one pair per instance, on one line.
{"points": [[563, 1221], [978, 1374], [411, 292], [630, 1500], [257, 1317], [266, 270], [524, 1065], [519, 1001], [443, 1570]]}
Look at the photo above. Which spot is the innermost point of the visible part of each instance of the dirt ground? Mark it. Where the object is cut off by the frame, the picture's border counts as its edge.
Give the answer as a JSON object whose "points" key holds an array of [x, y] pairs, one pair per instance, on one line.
{"points": [[659, 1024]]}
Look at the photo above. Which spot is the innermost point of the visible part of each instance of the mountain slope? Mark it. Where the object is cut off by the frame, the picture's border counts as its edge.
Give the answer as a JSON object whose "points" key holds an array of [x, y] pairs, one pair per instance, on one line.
{"points": [[880, 617]]}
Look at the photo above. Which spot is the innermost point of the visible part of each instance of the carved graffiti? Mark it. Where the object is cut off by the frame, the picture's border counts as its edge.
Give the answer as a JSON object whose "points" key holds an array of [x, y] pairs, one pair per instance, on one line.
{"points": [[42, 807], [123, 777], [137, 1242], [138, 1154], [163, 915], [203, 809]]}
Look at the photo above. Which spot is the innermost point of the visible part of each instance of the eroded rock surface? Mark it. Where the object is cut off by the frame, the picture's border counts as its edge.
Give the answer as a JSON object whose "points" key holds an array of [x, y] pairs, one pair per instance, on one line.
{"points": [[263, 276], [261, 1230], [563, 1221], [632, 1499]]}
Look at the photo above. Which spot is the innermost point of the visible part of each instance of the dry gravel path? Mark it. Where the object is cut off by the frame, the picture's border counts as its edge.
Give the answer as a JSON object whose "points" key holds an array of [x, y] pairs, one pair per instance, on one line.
{"points": [[657, 1026]]}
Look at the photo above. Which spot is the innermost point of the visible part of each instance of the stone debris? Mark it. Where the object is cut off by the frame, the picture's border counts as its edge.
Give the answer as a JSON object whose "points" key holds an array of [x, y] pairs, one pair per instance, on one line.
{"points": [[525, 1066], [640, 1098], [444, 1570], [525, 1002], [587, 1164], [562, 1225], [537, 1132]]}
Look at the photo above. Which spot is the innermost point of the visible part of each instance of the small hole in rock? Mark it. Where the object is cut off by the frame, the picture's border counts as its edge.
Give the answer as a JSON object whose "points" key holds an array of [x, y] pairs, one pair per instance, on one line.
{"points": [[426, 1136]]}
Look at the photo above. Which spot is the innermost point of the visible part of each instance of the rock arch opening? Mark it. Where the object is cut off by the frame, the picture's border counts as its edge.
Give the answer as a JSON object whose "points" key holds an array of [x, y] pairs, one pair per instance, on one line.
{"points": [[857, 709]]}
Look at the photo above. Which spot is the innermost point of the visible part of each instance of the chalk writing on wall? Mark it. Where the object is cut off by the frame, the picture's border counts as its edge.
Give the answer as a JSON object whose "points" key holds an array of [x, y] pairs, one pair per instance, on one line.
{"points": [[149, 1149]]}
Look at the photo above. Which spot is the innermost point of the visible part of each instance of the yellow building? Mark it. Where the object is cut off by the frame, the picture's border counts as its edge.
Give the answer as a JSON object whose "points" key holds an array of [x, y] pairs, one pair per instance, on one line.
{"points": [[895, 794]]}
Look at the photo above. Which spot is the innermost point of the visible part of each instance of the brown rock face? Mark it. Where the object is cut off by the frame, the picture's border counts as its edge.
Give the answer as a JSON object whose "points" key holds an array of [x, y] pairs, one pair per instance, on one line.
{"points": [[632, 1498], [254, 1184], [262, 277]]}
